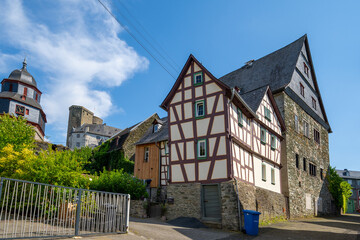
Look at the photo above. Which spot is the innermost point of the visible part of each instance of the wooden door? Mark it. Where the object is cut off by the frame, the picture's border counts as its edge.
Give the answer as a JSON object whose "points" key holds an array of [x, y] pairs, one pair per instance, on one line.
{"points": [[211, 202]]}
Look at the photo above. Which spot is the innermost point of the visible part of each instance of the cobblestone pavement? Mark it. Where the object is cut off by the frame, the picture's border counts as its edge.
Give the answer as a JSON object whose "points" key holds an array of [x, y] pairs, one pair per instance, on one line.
{"points": [[342, 227]]}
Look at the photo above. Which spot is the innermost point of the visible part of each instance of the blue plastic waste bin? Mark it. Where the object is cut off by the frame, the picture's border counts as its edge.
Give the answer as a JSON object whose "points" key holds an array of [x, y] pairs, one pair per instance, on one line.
{"points": [[251, 222]]}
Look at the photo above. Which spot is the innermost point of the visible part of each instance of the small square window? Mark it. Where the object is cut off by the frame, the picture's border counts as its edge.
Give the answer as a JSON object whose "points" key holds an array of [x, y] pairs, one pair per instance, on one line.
{"points": [[263, 172], [263, 135], [302, 90], [200, 109], [198, 78], [313, 103], [267, 114], [27, 111], [201, 148], [273, 142], [240, 117], [272, 176]]}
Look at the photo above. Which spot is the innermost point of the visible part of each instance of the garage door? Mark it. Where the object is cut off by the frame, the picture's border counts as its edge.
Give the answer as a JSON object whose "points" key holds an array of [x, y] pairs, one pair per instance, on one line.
{"points": [[211, 202]]}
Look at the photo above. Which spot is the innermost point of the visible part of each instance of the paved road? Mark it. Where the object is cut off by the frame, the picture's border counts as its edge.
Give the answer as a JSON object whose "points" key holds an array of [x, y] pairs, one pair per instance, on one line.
{"points": [[343, 227]]}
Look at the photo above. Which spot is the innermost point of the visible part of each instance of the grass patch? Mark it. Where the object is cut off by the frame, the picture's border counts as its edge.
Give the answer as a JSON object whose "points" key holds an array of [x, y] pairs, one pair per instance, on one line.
{"points": [[272, 220]]}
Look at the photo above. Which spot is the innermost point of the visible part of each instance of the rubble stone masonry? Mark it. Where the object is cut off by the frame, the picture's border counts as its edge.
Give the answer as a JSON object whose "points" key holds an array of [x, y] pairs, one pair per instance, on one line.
{"points": [[308, 194]]}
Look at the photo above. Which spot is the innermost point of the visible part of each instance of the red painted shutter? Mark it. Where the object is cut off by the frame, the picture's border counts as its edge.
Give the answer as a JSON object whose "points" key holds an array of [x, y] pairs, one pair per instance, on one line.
{"points": [[25, 92]]}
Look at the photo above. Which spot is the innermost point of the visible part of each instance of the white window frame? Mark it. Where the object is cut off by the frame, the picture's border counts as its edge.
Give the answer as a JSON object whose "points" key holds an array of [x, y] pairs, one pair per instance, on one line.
{"points": [[273, 176], [263, 172], [166, 147], [296, 122], [200, 102], [146, 154], [199, 144]]}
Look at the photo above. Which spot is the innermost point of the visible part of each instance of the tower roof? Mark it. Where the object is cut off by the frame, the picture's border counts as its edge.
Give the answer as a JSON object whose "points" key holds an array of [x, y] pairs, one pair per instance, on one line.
{"points": [[23, 75]]}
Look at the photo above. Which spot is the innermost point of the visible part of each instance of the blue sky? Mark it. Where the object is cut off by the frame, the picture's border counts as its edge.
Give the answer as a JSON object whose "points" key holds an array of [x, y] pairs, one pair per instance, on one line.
{"points": [[79, 55]]}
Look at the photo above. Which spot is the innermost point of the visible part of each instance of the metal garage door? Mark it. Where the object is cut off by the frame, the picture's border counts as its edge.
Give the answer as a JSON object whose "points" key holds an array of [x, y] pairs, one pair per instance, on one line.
{"points": [[211, 202]]}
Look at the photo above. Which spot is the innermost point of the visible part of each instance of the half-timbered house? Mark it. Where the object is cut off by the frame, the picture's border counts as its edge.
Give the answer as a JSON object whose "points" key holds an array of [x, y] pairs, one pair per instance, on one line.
{"points": [[218, 135]]}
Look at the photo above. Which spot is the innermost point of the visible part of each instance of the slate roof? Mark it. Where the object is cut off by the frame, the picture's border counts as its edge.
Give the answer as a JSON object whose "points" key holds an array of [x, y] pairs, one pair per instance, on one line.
{"points": [[253, 98], [161, 135], [274, 69], [23, 75], [352, 174], [17, 97], [97, 129]]}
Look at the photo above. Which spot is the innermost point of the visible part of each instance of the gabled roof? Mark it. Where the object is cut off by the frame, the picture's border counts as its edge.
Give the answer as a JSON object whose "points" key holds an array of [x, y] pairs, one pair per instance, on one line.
{"points": [[161, 135], [117, 141], [178, 81], [253, 99], [275, 70], [352, 174]]}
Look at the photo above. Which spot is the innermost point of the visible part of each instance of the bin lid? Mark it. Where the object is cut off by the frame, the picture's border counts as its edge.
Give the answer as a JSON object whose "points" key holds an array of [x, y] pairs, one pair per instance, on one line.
{"points": [[252, 212]]}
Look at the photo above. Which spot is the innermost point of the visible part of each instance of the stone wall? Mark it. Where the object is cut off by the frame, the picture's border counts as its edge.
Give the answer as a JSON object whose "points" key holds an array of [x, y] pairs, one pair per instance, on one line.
{"points": [[270, 204], [308, 195], [187, 200], [135, 135], [137, 208]]}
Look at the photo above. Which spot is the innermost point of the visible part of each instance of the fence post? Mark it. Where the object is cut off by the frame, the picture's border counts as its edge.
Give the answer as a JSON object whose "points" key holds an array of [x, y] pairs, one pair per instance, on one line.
{"points": [[1, 185], [127, 213], [78, 211]]}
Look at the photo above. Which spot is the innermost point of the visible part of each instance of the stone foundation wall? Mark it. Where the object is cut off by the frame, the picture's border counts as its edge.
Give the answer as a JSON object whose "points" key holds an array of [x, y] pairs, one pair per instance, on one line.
{"points": [[187, 200], [270, 204], [137, 208]]}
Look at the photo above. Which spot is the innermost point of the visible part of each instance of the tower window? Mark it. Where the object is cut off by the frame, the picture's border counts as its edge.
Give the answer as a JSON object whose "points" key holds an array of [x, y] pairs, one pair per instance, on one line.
{"points": [[313, 103], [27, 111], [25, 92], [296, 120], [306, 129], [10, 87], [304, 164], [297, 160], [306, 69], [317, 136], [302, 90]]}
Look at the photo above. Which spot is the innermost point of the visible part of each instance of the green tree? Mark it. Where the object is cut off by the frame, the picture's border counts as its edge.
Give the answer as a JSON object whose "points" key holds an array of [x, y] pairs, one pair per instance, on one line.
{"points": [[334, 186], [346, 193], [15, 131]]}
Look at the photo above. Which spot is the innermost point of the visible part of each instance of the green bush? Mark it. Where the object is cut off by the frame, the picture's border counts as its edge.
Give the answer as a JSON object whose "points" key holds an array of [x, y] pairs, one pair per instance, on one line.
{"points": [[119, 182], [109, 160], [15, 131]]}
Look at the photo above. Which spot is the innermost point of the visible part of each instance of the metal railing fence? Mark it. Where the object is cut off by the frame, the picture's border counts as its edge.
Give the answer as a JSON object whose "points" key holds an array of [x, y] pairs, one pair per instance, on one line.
{"points": [[37, 210]]}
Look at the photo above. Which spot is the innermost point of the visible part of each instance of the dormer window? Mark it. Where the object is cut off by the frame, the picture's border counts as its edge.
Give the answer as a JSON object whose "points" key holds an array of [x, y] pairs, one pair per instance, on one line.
{"points": [[156, 127], [198, 78], [306, 69]]}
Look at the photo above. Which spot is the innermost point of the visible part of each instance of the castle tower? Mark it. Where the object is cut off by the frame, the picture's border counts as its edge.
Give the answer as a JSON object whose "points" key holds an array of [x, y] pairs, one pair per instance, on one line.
{"points": [[20, 96], [78, 115]]}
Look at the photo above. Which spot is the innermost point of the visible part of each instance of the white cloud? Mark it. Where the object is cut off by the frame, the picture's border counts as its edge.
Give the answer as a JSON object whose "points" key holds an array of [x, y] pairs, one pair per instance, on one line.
{"points": [[77, 47]]}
